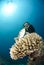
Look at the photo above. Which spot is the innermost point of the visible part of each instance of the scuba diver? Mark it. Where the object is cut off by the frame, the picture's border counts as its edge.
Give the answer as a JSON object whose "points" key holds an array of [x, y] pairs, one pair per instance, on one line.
{"points": [[28, 28]]}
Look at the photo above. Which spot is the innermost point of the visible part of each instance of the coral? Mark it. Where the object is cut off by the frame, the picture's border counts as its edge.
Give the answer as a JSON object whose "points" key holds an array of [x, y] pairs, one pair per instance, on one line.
{"points": [[38, 61], [29, 45], [37, 57]]}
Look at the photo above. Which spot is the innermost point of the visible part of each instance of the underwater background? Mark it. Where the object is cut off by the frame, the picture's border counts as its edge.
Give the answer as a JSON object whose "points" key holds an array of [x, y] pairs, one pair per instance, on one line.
{"points": [[27, 10]]}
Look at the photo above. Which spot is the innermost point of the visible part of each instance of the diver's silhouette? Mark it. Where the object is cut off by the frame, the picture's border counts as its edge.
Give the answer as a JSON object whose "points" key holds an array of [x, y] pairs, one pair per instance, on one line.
{"points": [[28, 27]]}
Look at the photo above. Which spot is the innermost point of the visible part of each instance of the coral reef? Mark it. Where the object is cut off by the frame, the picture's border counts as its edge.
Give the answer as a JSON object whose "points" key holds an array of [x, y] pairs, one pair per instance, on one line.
{"points": [[37, 59], [30, 45]]}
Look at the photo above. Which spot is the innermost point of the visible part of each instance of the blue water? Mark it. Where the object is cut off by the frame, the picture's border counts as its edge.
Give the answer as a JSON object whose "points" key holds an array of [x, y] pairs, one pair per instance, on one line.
{"points": [[27, 10]]}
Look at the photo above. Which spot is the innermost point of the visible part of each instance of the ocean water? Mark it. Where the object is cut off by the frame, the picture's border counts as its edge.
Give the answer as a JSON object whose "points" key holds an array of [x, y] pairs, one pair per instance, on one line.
{"points": [[27, 10]]}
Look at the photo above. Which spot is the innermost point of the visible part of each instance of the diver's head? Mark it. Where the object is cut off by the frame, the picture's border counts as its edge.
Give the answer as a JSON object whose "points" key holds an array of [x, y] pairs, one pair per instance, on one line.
{"points": [[26, 25]]}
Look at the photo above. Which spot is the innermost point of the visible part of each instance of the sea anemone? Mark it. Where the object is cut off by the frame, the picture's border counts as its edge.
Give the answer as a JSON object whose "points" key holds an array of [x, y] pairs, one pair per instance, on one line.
{"points": [[28, 45]]}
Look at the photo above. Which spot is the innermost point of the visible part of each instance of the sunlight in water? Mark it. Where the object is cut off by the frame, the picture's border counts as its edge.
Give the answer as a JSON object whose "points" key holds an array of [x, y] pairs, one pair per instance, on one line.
{"points": [[8, 9]]}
